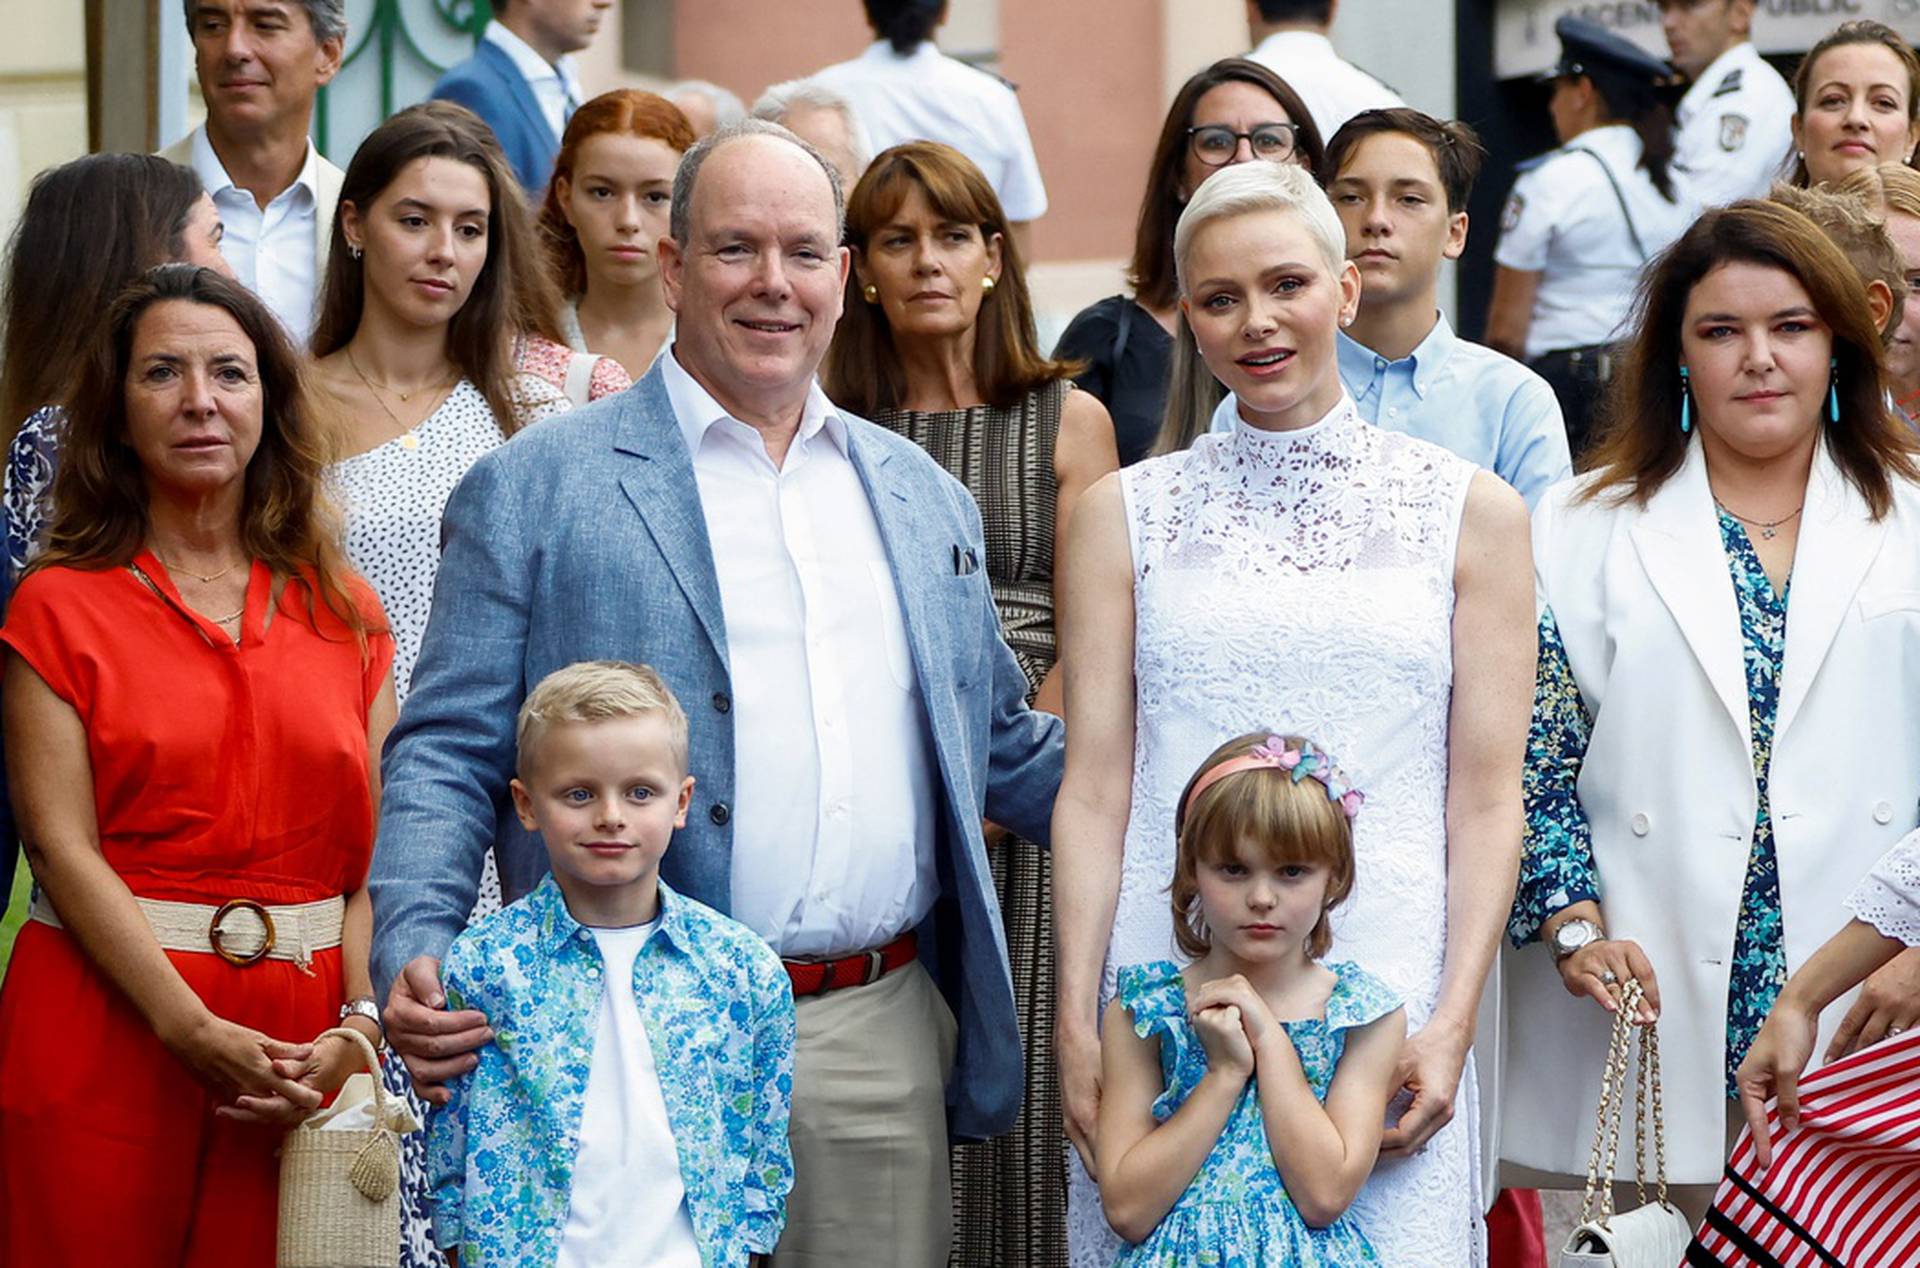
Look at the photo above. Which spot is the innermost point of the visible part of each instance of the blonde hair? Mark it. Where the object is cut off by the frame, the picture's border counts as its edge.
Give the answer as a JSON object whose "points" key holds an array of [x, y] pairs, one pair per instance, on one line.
{"points": [[1293, 821], [1891, 188], [1859, 229], [599, 691]]}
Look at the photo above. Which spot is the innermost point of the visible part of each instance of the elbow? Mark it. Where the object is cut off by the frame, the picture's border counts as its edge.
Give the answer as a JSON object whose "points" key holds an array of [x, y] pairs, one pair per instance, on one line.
{"points": [[1321, 1205], [1127, 1216]]}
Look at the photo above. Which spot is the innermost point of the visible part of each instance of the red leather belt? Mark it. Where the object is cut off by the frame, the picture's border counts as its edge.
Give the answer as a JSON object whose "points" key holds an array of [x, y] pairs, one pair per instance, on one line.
{"points": [[817, 977]]}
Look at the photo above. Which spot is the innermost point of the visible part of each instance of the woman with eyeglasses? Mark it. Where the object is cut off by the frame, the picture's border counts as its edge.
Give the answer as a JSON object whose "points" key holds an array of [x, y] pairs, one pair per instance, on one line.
{"points": [[1234, 111], [1583, 221]]}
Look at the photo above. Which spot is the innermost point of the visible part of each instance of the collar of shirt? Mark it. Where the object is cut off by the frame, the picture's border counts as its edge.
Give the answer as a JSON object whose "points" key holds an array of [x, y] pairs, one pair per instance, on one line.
{"points": [[1294, 44], [213, 173], [533, 67], [697, 413], [1361, 367], [1738, 57], [557, 926], [882, 52]]}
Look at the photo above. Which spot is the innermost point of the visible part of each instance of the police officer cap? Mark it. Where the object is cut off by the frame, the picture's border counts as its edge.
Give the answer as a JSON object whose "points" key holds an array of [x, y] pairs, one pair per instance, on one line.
{"points": [[1587, 46]]}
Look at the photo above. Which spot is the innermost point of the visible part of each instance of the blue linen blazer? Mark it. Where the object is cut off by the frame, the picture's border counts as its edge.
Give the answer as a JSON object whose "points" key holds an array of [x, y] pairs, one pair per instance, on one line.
{"points": [[583, 538], [490, 85]]}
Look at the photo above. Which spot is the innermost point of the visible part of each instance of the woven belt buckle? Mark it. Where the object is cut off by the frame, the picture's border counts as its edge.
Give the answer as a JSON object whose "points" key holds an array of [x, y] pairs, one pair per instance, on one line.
{"points": [[875, 967], [216, 938]]}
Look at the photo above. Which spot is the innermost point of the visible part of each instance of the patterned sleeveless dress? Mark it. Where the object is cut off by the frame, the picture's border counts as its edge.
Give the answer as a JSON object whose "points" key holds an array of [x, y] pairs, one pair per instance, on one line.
{"points": [[1009, 1198]]}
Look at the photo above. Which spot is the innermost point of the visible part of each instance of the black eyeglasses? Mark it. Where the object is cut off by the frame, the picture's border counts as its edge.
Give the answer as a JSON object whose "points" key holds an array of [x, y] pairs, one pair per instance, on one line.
{"points": [[1216, 144]]}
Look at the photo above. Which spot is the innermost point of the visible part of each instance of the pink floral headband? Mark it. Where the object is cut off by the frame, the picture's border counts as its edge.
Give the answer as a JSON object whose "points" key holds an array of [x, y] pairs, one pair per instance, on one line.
{"points": [[1305, 762]]}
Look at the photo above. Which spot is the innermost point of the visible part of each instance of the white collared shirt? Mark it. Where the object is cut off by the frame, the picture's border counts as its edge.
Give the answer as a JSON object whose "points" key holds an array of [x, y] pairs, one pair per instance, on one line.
{"points": [[833, 805], [556, 85], [928, 96], [1733, 131], [272, 250], [1334, 89]]}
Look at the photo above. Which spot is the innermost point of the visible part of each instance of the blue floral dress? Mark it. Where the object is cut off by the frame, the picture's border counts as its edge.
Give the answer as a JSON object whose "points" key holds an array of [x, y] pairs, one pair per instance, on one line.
{"points": [[28, 484], [1236, 1213], [1557, 869]]}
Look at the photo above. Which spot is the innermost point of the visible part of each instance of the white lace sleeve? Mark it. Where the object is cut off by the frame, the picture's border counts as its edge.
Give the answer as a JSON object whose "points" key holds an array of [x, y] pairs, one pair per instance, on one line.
{"points": [[1889, 897]]}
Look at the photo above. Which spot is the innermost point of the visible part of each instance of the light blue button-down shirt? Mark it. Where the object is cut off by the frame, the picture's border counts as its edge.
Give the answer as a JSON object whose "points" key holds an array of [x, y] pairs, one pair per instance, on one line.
{"points": [[718, 1010], [1484, 406]]}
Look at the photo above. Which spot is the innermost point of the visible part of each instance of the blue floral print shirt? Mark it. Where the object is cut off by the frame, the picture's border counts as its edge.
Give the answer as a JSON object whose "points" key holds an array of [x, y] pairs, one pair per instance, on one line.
{"points": [[1557, 869], [718, 1008]]}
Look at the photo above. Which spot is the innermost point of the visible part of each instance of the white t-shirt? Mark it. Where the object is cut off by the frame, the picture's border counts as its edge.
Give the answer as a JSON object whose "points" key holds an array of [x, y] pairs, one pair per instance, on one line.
{"points": [[629, 1207]]}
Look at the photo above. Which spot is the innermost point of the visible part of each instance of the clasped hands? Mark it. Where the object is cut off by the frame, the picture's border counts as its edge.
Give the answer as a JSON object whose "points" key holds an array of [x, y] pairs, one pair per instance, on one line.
{"points": [[271, 1082]]}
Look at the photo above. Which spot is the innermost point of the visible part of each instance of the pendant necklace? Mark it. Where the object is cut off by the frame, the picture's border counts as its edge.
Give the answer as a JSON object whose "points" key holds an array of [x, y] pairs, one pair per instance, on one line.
{"points": [[1768, 528]]}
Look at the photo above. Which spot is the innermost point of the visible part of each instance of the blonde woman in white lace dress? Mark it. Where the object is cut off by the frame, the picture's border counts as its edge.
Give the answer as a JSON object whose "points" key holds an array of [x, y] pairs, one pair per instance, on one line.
{"points": [[1310, 572]]}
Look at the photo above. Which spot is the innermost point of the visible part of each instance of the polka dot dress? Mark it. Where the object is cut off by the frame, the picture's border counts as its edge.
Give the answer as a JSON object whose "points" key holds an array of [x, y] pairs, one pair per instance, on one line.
{"points": [[393, 497]]}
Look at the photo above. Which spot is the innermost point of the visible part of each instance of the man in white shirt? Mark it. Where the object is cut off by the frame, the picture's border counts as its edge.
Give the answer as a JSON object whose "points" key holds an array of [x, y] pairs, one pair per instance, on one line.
{"points": [[1291, 37], [260, 64], [522, 82], [1733, 131]]}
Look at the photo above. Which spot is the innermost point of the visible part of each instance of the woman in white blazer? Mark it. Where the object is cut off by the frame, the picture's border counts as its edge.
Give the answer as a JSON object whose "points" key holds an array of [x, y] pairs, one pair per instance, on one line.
{"points": [[1730, 632]]}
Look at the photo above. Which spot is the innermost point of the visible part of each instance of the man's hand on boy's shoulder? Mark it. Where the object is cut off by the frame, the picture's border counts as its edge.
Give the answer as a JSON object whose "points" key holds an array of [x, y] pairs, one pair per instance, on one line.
{"points": [[437, 1045]]}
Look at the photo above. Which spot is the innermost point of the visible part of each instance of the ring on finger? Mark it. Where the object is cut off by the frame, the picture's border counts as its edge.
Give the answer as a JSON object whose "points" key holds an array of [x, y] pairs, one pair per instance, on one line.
{"points": [[1607, 976], [1895, 1030]]}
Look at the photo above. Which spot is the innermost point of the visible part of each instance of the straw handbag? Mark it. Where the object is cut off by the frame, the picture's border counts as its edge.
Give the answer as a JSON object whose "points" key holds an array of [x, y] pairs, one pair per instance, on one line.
{"points": [[340, 1187], [1655, 1234]]}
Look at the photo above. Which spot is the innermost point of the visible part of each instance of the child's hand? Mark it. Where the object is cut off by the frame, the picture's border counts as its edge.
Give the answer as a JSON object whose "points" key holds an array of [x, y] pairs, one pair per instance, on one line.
{"points": [[1223, 1034], [1236, 992]]}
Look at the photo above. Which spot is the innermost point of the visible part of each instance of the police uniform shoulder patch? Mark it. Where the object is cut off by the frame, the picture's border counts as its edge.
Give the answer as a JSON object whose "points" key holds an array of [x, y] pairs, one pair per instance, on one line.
{"points": [[1733, 132], [1510, 218], [1731, 84]]}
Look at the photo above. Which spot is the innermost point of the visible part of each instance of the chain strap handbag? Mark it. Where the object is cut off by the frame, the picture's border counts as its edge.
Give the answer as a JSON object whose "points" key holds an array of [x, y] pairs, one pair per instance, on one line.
{"points": [[1654, 1234], [340, 1187]]}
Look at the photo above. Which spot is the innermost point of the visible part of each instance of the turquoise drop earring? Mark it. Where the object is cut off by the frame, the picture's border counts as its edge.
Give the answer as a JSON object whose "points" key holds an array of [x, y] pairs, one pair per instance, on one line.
{"points": [[1833, 391], [1686, 403]]}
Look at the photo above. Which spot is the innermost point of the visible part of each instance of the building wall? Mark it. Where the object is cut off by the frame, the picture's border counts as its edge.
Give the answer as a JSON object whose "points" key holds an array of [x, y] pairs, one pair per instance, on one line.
{"points": [[43, 94]]}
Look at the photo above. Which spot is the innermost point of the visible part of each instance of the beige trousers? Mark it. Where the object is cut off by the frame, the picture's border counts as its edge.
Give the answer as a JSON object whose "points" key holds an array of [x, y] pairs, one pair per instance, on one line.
{"points": [[869, 1127]]}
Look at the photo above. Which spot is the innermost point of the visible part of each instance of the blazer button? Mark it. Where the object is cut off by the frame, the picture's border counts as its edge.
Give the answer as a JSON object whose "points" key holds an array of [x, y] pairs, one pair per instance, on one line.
{"points": [[719, 813], [722, 702], [1882, 812], [1641, 825]]}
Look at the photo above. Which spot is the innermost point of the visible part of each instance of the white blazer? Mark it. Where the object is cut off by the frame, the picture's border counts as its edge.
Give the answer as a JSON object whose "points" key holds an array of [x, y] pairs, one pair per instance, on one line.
{"points": [[1647, 611]]}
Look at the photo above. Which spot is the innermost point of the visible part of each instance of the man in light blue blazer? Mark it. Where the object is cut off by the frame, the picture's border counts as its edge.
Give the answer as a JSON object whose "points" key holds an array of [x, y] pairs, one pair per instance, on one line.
{"points": [[521, 79], [812, 587]]}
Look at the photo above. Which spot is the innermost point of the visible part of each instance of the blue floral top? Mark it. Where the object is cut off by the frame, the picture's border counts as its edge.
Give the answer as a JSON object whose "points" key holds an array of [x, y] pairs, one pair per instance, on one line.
{"points": [[28, 484], [1236, 1213], [1557, 868], [718, 1009]]}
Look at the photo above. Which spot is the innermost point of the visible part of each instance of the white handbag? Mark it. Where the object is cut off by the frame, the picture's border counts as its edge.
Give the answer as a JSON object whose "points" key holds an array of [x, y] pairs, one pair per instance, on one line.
{"points": [[1655, 1234]]}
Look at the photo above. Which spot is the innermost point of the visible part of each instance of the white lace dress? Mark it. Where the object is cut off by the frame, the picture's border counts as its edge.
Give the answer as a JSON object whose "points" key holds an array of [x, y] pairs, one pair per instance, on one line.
{"points": [[1303, 581], [1889, 897]]}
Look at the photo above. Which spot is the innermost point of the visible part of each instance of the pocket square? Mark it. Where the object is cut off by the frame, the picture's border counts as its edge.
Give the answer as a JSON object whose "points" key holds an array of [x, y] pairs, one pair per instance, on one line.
{"points": [[965, 562]]}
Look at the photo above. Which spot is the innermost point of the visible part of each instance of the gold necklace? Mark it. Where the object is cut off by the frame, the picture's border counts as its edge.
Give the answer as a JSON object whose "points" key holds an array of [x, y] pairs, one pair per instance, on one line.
{"points": [[1767, 527], [207, 579], [403, 397]]}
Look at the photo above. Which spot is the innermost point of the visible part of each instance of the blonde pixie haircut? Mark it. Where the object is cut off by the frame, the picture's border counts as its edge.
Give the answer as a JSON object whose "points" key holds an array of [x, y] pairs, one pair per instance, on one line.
{"points": [[1247, 188], [599, 691], [1294, 821]]}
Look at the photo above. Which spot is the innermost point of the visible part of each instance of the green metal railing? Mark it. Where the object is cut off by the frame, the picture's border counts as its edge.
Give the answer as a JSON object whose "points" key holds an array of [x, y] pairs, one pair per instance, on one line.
{"points": [[387, 36]]}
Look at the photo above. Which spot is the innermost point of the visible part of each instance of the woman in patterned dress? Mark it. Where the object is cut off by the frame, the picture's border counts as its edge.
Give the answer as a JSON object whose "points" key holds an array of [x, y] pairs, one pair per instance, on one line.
{"points": [[1723, 602], [938, 344], [1311, 572], [415, 365]]}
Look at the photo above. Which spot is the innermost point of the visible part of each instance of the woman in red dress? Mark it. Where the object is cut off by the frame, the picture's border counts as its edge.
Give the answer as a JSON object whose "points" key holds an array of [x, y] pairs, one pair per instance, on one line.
{"points": [[195, 699]]}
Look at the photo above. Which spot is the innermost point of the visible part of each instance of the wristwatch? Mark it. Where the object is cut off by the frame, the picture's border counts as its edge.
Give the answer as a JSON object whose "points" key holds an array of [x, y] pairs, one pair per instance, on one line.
{"points": [[1572, 935], [364, 1007]]}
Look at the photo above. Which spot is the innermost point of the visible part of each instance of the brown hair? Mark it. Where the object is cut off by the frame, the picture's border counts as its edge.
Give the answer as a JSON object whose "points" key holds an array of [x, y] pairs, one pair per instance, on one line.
{"points": [[511, 293], [622, 112], [1455, 147], [863, 371], [90, 227], [1151, 271], [1859, 31], [100, 492], [1642, 446], [1293, 820], [1860, 235]]}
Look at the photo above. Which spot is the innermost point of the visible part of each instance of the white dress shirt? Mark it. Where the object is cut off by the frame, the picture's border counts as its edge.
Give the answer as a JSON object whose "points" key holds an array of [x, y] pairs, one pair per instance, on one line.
{"points": [[928, 96], [1733, 131], [629, 1202], [1334, 89], [272, 249], [556, 85], [833, 823]]}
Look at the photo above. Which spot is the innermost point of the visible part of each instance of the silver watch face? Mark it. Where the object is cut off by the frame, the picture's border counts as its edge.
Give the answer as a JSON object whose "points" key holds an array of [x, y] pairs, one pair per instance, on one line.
{"points": [[1573, 935]]}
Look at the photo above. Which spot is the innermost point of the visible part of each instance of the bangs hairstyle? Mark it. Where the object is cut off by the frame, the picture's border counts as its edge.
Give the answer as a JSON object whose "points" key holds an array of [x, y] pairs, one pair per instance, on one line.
{"points": [[598, 691], [1248, 188], [1641, 446], [1293, 822], [1861, 236], [1151, 272], [1455, 148], [100, 491], [512, 292], [863, 371], [1859, 31], [622, 112]]}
